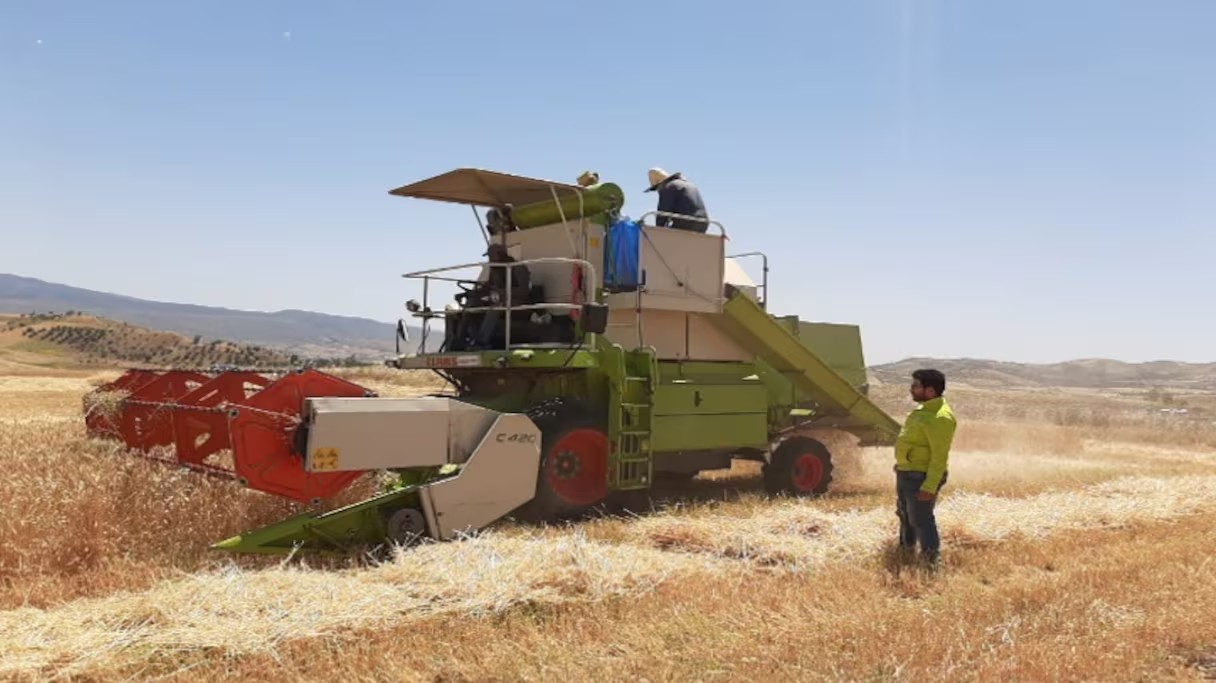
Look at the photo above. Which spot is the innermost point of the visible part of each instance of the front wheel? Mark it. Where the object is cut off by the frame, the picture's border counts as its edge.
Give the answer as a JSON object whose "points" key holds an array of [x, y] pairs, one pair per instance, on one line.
{"points": [[801, 466], [573, 473]]}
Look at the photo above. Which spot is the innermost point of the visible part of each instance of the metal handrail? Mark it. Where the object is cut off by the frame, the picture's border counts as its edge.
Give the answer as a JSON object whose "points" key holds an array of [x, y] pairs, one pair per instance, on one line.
{"points": [[443, 313], [666, 214], [427, 275], [764, 279], [542, 259]]}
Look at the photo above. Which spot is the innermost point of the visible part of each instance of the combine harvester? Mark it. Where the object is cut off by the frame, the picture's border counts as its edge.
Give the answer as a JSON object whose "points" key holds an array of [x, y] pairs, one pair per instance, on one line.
{"points": [[636, 353]]}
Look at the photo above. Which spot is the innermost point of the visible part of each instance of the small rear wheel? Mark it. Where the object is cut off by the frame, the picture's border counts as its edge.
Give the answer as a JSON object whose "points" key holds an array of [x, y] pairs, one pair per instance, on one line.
{"points": [[801, 466]]}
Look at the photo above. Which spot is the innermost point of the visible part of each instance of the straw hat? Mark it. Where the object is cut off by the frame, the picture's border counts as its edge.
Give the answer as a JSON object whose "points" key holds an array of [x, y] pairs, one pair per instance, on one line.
{"points": [[588, 178], [657, 176]]}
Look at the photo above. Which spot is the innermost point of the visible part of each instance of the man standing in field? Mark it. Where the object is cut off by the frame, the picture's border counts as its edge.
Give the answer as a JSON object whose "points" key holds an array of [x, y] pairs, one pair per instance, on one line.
{"points": [[922, 453]]}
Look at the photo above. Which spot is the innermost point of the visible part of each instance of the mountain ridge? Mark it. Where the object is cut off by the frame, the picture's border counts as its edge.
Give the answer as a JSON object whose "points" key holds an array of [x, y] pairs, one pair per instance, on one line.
{"points": [[1082, 373], [317, 334], [308, 333]]}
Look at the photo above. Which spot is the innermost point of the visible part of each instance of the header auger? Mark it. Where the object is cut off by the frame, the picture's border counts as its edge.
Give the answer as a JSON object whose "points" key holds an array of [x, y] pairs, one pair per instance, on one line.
{"points": [[198, 417], [620, 354]]}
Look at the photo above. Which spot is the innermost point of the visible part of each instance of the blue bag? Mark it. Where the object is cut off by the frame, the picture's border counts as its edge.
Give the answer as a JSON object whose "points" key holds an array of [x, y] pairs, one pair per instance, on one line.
{"points": [[621, 250]]}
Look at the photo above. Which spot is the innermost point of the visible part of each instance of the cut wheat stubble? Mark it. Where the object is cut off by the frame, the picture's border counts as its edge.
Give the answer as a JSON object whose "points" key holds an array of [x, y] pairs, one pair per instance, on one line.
{"points": [[240, 611]]}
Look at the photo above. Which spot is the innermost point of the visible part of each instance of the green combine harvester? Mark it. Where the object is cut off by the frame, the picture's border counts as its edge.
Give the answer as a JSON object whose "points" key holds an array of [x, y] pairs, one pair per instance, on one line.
{"points": [[633, 353]]}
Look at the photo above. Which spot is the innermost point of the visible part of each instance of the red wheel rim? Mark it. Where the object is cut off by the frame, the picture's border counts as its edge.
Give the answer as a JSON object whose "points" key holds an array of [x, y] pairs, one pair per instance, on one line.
{"points": [[577, 467], [808, 472]]}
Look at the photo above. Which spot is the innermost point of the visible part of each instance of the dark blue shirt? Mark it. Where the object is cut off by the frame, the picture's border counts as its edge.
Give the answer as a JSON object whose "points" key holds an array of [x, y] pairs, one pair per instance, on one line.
{"points": [[680, 196]]}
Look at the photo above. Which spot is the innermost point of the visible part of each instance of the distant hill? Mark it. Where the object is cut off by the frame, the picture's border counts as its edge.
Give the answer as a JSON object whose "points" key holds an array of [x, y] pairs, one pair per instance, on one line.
{"points": [[301, 332], [1087, 373], [318, 335], [75, 340]]}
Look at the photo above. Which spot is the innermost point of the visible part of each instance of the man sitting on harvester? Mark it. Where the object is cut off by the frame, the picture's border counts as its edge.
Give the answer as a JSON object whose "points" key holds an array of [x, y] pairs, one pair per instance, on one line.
{"points": [[677, 195], [493, 292]]}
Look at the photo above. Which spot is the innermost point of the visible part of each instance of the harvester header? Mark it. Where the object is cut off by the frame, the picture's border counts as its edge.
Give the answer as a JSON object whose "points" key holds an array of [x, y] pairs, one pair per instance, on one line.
{"points": [[192, 419]]}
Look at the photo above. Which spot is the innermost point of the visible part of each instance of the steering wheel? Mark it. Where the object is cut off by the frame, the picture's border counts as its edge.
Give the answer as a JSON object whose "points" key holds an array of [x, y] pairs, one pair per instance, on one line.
{"points": [[468, 289]]}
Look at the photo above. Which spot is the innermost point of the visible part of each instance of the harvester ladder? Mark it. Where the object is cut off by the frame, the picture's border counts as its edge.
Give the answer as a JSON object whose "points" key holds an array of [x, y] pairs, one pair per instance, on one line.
{"points": [[636, 322], [631, 413]]}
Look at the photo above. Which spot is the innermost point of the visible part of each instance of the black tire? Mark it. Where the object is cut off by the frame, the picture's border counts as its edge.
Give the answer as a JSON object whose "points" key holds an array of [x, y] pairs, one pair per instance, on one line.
{"points": [[559, 421], [801, 466]]}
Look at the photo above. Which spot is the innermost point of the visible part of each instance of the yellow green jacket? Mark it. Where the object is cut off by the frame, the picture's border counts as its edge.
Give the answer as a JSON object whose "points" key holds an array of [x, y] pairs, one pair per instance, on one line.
{"points": [[924, 442]]}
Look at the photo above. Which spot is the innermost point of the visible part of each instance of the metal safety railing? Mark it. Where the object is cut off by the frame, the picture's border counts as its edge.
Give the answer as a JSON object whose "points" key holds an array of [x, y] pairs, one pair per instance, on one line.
{"points": [[665, 214], [589, 287], [764, 277]]}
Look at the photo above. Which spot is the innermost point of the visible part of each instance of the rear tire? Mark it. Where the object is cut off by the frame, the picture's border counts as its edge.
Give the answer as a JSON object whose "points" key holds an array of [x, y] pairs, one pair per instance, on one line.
{"points": [[801, 466], [573, 472]]}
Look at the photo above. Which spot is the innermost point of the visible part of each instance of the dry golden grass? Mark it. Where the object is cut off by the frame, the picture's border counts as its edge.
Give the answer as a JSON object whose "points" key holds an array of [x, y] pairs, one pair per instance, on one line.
{"points": [[1072, 553], [389, 382], [1046, 610], [1104, 416]]}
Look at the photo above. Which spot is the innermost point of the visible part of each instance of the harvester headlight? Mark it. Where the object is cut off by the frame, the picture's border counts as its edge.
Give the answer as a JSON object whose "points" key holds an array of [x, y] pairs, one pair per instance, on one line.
{"points": [[413, 306]]}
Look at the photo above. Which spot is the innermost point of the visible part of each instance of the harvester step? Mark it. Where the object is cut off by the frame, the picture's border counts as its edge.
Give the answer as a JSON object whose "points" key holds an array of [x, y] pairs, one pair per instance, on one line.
{"points": [[646, 406], [635, 432]]}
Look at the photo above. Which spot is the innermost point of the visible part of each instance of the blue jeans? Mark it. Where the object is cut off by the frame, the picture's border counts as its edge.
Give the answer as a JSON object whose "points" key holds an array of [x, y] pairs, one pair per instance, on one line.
{"points": [[489, 325], [917, 522]]}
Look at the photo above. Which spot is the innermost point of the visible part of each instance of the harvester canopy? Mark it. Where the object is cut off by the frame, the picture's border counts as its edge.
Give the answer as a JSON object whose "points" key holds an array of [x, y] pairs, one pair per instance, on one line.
{"points": [[478, 187]]}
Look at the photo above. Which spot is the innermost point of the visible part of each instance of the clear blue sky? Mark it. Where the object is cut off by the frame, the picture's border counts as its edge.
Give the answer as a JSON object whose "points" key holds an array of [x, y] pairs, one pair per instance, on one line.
{"points": [[1023, 180]]}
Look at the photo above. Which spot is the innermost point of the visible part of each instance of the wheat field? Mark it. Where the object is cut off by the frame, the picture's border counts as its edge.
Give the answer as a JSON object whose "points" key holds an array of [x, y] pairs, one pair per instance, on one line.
{"points": [[1079, 533]]}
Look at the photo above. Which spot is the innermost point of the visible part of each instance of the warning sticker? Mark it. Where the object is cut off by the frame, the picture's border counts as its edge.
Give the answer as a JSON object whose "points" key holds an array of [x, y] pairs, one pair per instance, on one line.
{"points": [[324, 459]]}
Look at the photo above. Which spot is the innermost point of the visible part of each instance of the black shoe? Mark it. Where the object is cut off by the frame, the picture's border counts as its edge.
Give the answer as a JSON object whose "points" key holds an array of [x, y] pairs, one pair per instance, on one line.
{"points": [[932, 560]]}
